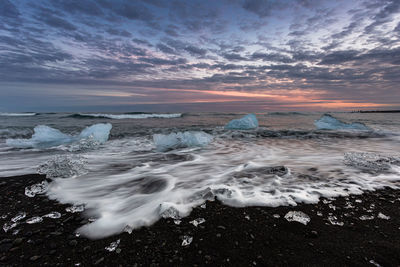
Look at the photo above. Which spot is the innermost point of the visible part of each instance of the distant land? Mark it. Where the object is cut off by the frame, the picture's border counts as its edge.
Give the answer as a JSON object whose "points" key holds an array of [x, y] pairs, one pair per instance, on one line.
{"points": [[376, 111]]}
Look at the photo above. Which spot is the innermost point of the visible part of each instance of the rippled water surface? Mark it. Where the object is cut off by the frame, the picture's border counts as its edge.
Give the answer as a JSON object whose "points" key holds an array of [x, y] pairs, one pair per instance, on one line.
{"points": [[127, 181]]}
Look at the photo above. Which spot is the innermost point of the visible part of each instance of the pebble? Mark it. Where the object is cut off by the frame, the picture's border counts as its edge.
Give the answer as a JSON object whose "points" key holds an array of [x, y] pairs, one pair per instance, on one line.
{"points": [[35, 258], [99, 261]]}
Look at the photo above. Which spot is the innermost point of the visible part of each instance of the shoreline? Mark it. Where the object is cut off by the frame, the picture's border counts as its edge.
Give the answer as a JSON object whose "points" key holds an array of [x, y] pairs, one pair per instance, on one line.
{"points": [[229, 236]]}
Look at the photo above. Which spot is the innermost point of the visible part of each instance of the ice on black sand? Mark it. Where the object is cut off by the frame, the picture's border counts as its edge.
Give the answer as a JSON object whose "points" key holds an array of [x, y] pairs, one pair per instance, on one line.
{"points": [[297, 216], [186, 240], [113, 246], [197, 221], [36, 189]]}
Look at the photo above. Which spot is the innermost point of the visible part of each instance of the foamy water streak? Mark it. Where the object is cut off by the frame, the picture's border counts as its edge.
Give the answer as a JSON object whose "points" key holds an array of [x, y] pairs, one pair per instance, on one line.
{"points": [[133, 116], [139, 185]]}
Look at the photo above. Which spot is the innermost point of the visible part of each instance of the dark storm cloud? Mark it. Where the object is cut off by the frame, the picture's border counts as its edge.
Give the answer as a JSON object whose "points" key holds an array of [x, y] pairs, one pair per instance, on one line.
{"points": [[87, 7], [274, 57], [7, 9], [262, 8]]}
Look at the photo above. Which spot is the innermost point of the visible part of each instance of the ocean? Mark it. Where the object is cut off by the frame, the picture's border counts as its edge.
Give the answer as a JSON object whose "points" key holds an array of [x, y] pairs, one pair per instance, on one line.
{"points": [[129, 170]]}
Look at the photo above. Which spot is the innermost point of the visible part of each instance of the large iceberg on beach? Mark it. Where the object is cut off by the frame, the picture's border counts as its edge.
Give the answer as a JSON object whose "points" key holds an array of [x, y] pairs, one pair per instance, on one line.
{"points": [[245, 123], [45, 136], [328, 122], [170, 141]]}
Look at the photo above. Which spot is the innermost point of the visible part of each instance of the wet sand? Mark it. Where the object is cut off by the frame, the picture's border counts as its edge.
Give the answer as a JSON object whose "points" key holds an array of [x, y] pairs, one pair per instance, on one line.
{"points": [[229, 236]]}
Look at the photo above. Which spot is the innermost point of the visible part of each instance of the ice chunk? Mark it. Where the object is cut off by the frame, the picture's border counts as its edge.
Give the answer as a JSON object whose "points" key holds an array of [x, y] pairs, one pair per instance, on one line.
{"points": [[128, 229], [366, 217], [197, 221], [9, 225], [383, 216], [75, 208], [99, 132], [168, 210], [370, 161], [297, 216], [63, 166], [186, 240], [36, 219], [328, 122], [334, 221], [53, 215], [20, 215], [45, 136], [113, 246], [276, 216], [177, 222], [245, 123], [36, 189], [181, 139]]}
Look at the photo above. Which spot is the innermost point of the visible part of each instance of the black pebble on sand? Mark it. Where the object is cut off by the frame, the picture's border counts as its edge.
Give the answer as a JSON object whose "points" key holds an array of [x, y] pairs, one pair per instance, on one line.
{"points": [[229, 236]]}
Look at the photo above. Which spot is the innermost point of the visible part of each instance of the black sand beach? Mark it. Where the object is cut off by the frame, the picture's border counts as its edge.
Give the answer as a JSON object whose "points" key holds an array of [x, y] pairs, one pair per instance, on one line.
{"points": [[229, 236]]}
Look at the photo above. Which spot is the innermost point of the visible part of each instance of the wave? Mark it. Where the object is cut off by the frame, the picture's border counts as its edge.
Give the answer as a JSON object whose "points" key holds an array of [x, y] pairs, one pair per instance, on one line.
{"points": [[126, 115], [7, 114], [45, 136], [285, 113]]}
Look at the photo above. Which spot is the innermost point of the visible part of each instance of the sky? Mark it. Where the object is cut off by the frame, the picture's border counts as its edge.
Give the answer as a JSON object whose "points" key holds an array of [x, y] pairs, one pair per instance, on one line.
{"points": [[236, 55]]}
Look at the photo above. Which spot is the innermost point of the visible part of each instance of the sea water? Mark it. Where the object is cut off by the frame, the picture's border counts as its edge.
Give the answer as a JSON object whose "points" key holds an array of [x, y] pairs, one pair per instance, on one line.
{"points": [[130, 170]]}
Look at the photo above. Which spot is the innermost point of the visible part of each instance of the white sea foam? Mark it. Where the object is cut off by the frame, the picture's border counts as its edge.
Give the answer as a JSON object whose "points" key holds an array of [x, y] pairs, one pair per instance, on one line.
{"points": [[138, 188], [45, 136], [133, 116], [328, 122], [17, 114]]}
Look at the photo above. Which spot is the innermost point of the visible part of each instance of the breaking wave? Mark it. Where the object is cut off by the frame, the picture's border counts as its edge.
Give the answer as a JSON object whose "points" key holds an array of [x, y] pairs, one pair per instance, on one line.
{"points": [[17, 114], [137, 189], [127, 116]]}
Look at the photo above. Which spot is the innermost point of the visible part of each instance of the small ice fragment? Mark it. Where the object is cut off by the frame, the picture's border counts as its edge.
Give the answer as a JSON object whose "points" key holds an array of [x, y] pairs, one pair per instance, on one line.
{"points": [[15, 232], [75, 208], [167, 210], [113, 245], [332, 207], [297, 216], [77, 234], [20, 215], [36, 189], [247, 217], [53, 215], [366, 217], [9, 225], [348, 205], [177, 222], [203, 206], [35, 219], [319, 214], [276, 216], [186, 240], [197, 221], [325, 201], [4, 216], [128, 229], [358, 200], [334, 221], [375, 263], [383, 216]]}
